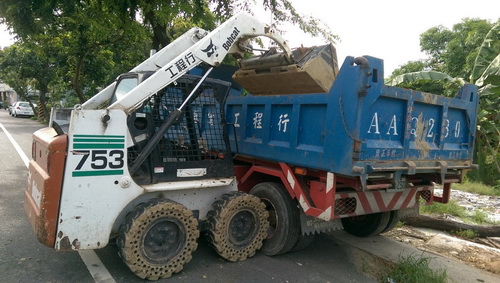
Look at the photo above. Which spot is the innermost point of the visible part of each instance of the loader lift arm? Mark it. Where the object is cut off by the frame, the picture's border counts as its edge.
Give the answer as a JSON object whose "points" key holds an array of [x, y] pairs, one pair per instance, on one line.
{"points": [[188, 51]]}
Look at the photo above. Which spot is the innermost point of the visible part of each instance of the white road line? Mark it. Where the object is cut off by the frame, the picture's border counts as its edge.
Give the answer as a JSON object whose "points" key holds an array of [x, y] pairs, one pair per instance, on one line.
{"points": [[21, 153], [95, 267], [89, 257]]}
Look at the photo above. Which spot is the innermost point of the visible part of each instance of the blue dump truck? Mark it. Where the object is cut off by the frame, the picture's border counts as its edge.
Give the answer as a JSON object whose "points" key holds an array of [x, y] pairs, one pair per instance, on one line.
{"points": [[361, 155], [258, 157]]}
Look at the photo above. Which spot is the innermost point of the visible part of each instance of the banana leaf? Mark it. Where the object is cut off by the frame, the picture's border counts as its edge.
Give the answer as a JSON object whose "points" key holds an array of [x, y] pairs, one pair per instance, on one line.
{"points": [[491, 74], [423, 75], [487, 52]]}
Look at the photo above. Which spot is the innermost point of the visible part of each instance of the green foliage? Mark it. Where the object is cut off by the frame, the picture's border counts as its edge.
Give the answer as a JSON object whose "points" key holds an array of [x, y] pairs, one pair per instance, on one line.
{"points": [[454, 51], [10, 72], [477, 188], [410, 67], [414, 75], [470, 50], [450, 208], [81, 46], [480, 217], [281, 11], [453, 209], [486, 73], [489, 50], [411, 269], [465, 234], [400, 224], [165, 18]]}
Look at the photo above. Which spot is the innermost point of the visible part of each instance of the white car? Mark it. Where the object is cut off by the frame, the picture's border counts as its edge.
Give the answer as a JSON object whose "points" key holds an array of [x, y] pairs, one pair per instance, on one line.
{"points": [[21, 108]]}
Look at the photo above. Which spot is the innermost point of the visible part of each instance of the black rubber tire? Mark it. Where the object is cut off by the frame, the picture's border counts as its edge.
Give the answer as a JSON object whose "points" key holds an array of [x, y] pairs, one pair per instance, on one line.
{"points": [[284, 218], [303, 242], [366, 225], [237, 226], [393, 220], [158, 238], [398, 215]]}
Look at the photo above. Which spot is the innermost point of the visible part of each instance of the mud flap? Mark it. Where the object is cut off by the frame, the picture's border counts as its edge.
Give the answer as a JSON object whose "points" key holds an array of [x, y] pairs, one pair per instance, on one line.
{"points": [[311, 225]]}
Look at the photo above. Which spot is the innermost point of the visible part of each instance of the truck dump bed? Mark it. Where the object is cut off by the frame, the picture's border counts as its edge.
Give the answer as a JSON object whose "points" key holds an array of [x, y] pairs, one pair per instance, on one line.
{"points": [[359, 127]]}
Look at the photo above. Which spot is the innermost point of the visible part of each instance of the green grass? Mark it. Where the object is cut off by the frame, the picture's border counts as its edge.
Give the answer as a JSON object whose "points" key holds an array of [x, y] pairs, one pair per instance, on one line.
{"points": [[400, 224], [480, 217], [465, 234], [451, 208], [454, 209], [412, 270], [477, 188]]}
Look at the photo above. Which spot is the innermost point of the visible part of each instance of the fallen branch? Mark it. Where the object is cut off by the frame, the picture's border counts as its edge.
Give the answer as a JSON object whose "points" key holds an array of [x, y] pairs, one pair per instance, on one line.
{"points": [[442, 223]]}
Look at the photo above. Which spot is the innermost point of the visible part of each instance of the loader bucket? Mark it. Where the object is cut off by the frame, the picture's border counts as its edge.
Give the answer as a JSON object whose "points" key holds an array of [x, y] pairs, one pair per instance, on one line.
{"points": [[313, 71]]}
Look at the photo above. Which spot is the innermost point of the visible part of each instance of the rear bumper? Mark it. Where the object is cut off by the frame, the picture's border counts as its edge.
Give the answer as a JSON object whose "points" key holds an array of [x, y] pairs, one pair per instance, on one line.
{"points": [[43, 191]]}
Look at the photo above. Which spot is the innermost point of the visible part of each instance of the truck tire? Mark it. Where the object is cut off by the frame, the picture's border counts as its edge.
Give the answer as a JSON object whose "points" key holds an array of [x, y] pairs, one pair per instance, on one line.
{"points": [[305, 240], [398, 215], [284, 218], [237, 226], [367, 225], [158, 238]]}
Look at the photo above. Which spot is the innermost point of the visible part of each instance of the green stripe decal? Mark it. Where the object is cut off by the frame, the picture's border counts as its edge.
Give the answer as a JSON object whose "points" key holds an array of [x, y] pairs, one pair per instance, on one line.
{"points": [[97, 136], [98, 140], [98, 145], [97, 173]]}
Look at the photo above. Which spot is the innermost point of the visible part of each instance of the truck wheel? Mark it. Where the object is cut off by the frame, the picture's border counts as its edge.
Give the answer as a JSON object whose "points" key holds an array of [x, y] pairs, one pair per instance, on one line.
{"points": [[237, 226], [393, 220], [366, 225], [303, 242], [158, 238], [284, 218], [397, 215]]}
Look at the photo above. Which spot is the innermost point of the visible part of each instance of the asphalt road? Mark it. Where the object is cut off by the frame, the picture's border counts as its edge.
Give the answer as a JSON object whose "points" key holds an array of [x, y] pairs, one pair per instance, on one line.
{"points": [[23, 259]]}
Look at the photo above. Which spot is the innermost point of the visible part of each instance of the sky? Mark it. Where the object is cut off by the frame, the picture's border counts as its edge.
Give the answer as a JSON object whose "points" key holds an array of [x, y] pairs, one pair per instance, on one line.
{"points": [[386, 29]]}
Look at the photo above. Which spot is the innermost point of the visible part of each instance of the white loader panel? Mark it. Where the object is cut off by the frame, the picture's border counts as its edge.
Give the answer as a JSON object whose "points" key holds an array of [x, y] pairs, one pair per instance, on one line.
{"points": [[96, 182]]}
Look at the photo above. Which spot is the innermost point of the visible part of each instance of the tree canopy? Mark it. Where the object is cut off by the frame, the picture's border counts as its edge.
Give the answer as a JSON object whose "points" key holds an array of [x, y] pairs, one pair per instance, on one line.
{"points": [[89, 42], [470, 52]]}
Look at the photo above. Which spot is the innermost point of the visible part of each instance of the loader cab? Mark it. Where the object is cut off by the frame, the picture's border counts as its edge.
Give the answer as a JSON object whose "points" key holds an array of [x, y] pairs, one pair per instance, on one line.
{"points": [[195, 146]]}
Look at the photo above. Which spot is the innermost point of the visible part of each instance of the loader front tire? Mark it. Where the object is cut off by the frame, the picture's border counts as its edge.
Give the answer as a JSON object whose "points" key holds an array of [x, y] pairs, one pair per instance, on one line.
{"points": [[158, 238], [237, 226]]}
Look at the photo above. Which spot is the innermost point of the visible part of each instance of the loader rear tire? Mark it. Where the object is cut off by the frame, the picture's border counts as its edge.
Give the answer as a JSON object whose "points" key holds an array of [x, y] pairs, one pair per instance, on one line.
{"points": [[158, 238], [367, 225], [284, 218], [237, 226]]}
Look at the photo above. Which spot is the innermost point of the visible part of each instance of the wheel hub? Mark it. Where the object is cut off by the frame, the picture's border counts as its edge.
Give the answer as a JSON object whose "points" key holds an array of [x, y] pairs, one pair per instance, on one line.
{"points": [[273, 218], [242, 228], [163, 240]]}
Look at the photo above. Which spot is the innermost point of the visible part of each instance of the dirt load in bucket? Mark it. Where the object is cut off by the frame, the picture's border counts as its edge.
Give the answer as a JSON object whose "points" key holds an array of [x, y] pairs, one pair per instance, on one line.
{"points": [[311, 70]]}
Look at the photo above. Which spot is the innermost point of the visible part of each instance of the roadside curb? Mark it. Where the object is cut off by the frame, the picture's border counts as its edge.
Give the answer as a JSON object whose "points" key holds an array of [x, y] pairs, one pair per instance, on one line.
{"points": [[370, 253]]}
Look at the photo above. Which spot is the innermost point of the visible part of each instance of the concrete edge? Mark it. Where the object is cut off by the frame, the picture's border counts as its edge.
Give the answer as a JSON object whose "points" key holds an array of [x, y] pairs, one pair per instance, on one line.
{"points": [[373, 254]]}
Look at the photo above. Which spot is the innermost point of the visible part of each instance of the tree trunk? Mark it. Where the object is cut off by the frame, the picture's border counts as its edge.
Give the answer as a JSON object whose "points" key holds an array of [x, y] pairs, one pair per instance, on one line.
{"points": [[441, 223], [160, 35], [77, 80], [44, 115]]}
